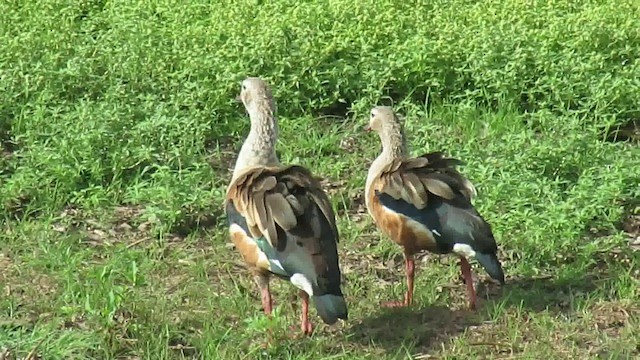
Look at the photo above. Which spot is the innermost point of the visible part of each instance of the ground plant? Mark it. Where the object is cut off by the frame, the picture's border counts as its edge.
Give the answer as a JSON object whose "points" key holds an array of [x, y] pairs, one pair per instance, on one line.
{"points": [[118, 130]]}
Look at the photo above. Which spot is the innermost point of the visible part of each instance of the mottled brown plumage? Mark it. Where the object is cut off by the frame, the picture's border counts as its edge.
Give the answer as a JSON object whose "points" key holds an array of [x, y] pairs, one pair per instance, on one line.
{"points": [[277, 200], [424, 203], [415, 181], [280, 219]]}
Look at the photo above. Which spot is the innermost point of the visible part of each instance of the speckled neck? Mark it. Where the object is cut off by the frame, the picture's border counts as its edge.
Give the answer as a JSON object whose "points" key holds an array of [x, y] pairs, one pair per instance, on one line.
{"points": [[394, 146], [259, 147]]}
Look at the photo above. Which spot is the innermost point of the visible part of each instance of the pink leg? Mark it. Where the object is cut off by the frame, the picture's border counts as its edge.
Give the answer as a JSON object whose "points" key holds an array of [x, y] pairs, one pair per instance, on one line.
{"points": [[305, 324], [267, 305], [263, 284], [408, 297], [411, 268], [466, 273], [266, 300]]}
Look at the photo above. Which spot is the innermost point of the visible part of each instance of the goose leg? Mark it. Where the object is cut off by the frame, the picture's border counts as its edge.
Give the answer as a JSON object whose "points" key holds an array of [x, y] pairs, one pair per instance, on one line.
{"points": [[466, 273], [265, 294], [263, 284], [410, 268], [305, 324]]}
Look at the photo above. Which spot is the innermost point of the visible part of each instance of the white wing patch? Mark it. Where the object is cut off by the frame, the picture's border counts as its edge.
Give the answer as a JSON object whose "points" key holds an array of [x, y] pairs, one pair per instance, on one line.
{"points": [[464, 250], [460, 249], [302, 283], [276, 263]]}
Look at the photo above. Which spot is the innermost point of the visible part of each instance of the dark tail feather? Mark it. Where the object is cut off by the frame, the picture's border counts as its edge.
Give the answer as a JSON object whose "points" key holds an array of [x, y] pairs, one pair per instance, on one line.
{"points": [[492, 265], [330, 307]]}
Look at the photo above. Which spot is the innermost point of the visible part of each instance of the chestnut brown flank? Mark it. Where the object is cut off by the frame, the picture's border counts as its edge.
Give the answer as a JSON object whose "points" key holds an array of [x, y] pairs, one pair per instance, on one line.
{"points": [[250, 252], [397, 227]]}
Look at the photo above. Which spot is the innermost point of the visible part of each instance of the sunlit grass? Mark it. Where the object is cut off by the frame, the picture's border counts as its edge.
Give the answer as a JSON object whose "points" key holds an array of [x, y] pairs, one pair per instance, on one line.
{"points": [[118, 126]]}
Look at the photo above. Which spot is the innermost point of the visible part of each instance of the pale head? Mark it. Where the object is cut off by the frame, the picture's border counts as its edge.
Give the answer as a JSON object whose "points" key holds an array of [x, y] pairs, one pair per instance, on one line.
{"points": [[382, 119], [258, 148], [386, 124], [256, 94]]}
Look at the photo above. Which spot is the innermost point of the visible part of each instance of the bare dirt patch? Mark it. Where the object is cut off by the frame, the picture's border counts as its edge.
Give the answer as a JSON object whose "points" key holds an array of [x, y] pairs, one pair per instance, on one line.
{"points": [[611, 317], [5, 154], [629, 131], [222, 161], [22, 282], [6, 266], [27, 289], [631, 226], [124, 225]]}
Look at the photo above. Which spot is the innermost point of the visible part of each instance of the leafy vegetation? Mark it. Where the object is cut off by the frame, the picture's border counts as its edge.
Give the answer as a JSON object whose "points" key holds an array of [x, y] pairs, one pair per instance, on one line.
{"points": [[118, 127]]}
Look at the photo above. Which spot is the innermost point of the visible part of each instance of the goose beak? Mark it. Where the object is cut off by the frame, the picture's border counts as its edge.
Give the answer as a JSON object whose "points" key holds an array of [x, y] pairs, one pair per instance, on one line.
{"points": [[367, 128], [238, 98]]}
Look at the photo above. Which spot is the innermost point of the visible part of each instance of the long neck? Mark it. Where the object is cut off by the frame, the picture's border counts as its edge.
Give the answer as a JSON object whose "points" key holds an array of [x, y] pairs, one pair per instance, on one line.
{"points": [[393, 147], [259, 147], [394, 144]]}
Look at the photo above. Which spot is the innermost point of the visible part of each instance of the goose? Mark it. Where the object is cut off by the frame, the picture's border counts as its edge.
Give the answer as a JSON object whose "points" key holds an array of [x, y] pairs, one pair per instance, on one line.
{"points": [[424, 203], [280, 219]]}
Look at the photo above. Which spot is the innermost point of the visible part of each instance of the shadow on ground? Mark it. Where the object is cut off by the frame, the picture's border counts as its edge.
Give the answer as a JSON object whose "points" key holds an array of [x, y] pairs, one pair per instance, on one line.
{"points": [[540, 294], [411, 327], [563, 293]]}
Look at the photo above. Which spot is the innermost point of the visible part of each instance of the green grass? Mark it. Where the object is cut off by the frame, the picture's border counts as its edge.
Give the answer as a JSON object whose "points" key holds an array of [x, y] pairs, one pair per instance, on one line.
{"points": [[118, 129]]}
